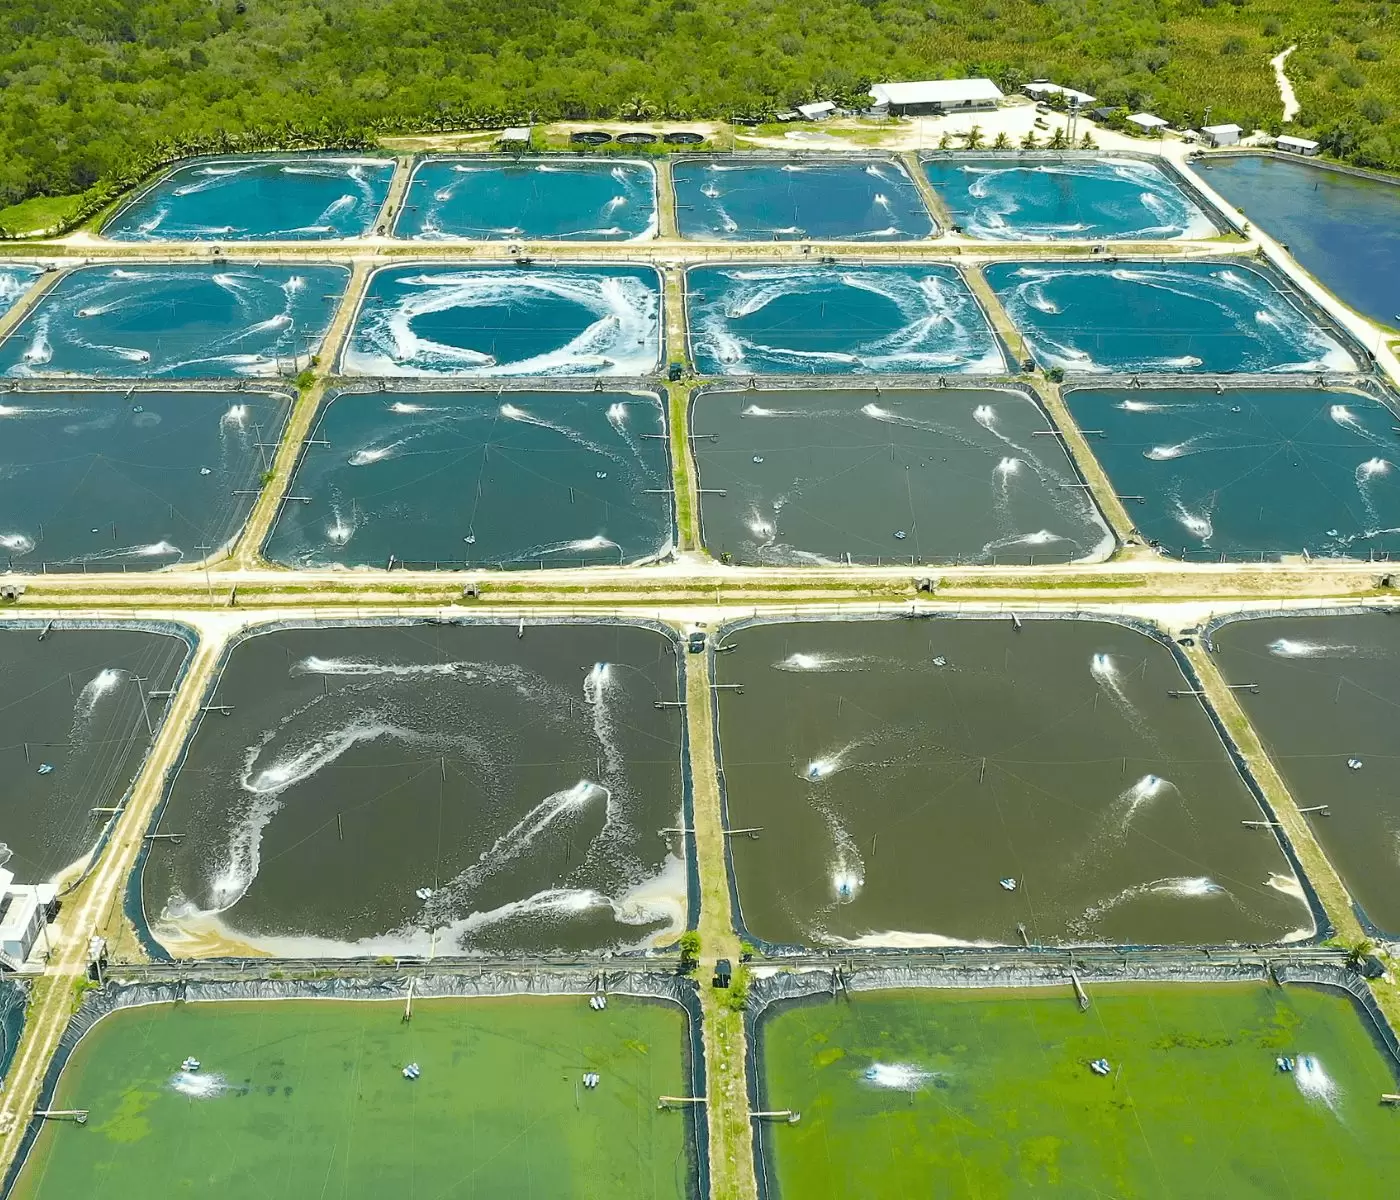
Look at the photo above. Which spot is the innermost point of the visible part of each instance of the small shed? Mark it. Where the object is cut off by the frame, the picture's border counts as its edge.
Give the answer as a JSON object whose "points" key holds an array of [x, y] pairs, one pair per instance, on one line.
{"points": [[1104, 114], [517, 133], [818, 111], [1296, 145], [1148, 122], [723, 973], [1222, 135]]}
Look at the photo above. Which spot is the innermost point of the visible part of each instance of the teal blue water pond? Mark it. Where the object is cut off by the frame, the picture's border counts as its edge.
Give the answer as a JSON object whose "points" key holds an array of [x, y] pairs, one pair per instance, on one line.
{"points": [[298, 197], [738, 199], [15, 280], [486, 199], [797, 477], [1247, 473], [1035, 197], [1345, 229], [117, 480], [495, 321], [481, 478], [1162, 317], [836, 320], [179, 320]]}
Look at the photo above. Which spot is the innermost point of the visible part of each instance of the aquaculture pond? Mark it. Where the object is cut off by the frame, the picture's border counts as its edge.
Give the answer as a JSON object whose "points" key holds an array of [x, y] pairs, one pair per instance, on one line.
{"points": [[1030, 198], [793, 477], [947, 781], [989, 1093], [504, 479], [75, 710], [494, 199], [393, 789], [123, 480], [496, 321], [176, 320], [262, 198], [298, 1098], [836, 320], [1162, 317], [778, 199], [15, 280], [1343, 228], [1250, 472], [1325, 707]]}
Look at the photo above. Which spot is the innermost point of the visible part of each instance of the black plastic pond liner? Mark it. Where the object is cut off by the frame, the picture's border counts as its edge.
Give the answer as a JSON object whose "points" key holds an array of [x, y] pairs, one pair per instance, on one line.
{"points": [[636, 139], [590, 137], [682, 137]]}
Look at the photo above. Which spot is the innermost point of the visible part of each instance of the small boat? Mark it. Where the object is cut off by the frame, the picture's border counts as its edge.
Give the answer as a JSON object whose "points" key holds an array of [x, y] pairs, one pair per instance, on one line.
{"points": [[1354, 764], [424, 893], [412, 1071], [900, 535], [1100, 1066], [1008, 884], [940, 661], [1284, 1064], [46, 768], [190, 1065]]}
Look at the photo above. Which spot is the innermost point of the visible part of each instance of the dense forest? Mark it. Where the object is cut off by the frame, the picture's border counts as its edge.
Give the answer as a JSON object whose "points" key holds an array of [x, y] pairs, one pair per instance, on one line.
{"points": [[93, 90]]}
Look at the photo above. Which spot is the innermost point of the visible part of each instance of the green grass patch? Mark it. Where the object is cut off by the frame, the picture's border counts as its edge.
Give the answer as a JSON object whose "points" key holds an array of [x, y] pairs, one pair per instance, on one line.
{"points": [[39, 214]]}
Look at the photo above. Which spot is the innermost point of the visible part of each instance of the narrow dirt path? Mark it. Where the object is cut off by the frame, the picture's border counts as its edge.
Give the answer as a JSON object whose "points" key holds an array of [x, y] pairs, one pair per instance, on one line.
{"points": [[1285, 89]]}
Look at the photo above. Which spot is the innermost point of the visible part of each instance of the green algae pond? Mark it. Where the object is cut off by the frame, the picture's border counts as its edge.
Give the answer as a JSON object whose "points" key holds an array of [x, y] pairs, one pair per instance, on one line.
{"points": [[988, 1093], [306, 1098]]}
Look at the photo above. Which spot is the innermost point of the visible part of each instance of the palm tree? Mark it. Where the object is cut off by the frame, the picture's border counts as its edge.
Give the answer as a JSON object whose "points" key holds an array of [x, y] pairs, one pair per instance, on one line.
{"points": [[1002, 141], [1058, 141], [973, 137], [1030, 141]]}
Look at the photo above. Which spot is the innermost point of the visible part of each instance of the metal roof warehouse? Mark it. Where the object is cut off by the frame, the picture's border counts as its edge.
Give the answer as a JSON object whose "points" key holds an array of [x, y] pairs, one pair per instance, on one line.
{"points": [[936, 95]]}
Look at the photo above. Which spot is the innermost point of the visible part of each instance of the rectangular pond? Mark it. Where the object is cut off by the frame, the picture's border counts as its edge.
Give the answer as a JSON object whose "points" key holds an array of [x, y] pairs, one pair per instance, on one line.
{"points": [[297, 1098], [15, 280], [916, 786], [747, 199], [129, 480], [1156, 317], [395, 789], [1249, 473], [790, 477], [989, 1093], [176, 320], [76, 701], [1343, 228], [557, 200], [1325, 710], [1035, 197], [500, 479], [836, 320], [258, 198], [503, 321]]}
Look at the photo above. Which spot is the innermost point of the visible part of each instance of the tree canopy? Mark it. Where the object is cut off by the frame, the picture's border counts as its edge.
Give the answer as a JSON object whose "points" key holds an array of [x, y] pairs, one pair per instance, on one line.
{"points": [[91, 90]]}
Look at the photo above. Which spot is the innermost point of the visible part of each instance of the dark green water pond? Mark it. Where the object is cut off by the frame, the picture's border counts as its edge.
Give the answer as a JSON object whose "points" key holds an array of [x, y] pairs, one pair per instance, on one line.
{"points": [[794, 477], [902, 769], [461, 479], [1329, 696], [74, 702], [395, 789]]}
